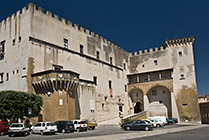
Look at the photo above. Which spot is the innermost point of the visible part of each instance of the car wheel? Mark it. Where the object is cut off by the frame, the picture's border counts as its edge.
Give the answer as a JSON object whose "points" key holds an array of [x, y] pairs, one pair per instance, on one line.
{"points": [[128, 128], [24, 133], [42, 133], [93, 127], [146, 128], [63, 131], [2, 133], [9, 135], [158, 125]]}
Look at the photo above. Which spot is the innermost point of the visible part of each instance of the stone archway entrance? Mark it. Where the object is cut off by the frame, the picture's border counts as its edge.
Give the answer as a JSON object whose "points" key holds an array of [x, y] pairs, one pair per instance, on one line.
{"points": [[136, 96], [159, 101], [138, 107]]}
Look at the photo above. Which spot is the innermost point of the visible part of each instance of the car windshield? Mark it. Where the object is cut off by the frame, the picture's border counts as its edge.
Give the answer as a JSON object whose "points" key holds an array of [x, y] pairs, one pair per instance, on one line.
{"points": [[49, 124], [83, 122], [16, 125], [68, 122]]}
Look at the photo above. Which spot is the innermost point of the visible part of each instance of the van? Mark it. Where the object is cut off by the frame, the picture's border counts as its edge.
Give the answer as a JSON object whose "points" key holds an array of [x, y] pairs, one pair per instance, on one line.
{"points": [[161, 119]]}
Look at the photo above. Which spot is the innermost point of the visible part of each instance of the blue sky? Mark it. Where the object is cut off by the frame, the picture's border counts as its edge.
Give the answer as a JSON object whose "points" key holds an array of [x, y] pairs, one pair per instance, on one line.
{"points": [[136, 24]]}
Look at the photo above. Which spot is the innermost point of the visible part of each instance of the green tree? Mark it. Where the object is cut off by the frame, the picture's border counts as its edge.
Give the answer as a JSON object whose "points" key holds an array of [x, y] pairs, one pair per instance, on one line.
{"points": [[17, 104]]}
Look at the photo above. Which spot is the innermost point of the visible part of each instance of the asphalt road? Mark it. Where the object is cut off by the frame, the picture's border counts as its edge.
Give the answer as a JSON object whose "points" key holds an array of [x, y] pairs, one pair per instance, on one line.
{"points": [[194, 134], [115, 132]]}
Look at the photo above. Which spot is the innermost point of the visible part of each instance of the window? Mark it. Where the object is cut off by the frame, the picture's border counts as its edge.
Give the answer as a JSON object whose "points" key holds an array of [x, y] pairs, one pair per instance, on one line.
{"points": [[110, 84], [95, 80], [65, 43], [97, 54], [110, 88], [1, 77], [120, 108], [124, 66], [182, 77], [105, 98], [111, 60], [7, 77], [81, 49], [19, 39], [125, 88], [155, 62], [13, 42], [143, 66], [2, 50], [180, 53], [184, 104]]}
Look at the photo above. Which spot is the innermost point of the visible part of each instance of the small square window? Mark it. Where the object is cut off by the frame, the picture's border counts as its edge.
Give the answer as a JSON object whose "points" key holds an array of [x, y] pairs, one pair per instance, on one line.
{"points": [[7, 74], [110, 84], [111, 60], [182, 77], [180, 53], [65, 42], [97, 54], [13, 42], [155, 62], [19, 39], [1, 77], [81, 49], [125, 88], [95, 80], [124, 66]]}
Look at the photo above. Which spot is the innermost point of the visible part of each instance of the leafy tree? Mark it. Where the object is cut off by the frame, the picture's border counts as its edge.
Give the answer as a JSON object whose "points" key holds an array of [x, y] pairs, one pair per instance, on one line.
{"points": [[16, 104]]}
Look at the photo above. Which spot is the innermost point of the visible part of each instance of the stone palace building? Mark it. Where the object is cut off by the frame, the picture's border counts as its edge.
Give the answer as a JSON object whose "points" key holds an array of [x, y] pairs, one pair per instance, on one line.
{"points": [[81, 75]]}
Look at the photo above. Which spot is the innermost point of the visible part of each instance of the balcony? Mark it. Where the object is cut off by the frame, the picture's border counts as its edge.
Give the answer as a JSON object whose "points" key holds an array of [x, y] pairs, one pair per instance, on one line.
{"points": [[51, 80]]}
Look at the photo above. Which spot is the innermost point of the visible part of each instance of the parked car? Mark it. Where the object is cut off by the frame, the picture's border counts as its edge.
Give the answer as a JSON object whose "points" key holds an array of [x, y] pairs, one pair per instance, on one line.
{"points": [[175, 120], [161, 119], [80, 125], [44, 127], [149, 121], [158, 123], [138, 125], [65, 126], [170, 121], [127, 122], [4, 127], [18, 129]]}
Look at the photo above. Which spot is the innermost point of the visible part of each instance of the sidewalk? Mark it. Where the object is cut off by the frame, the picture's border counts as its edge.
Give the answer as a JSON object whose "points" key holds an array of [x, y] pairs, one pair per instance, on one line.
{"points": [[135, 134]]}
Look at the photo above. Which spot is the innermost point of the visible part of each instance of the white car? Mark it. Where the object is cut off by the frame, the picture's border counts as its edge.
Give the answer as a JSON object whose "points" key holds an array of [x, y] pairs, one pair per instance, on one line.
{"points": [[18, 129], [44, 127], [80, 125]]}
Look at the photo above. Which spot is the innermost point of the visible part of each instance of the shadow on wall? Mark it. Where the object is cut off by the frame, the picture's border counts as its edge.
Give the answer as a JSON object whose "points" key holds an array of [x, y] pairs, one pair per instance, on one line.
{"points": [[77, 104]]}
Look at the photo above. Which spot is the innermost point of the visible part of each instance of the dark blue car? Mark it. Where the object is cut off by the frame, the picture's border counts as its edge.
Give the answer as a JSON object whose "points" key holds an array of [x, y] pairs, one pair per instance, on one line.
{"points": [[65, 126], [138, 125]]}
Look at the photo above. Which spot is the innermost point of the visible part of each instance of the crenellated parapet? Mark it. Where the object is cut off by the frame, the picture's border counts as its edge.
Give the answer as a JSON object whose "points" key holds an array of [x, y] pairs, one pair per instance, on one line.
{"points": [[178, 41], [68, 23], [72, 25], [148, 51]]}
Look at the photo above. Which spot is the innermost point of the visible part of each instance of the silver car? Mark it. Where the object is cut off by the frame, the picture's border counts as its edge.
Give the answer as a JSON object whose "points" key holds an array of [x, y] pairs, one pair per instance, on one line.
{"points": [[44, 127], [18, 129]]}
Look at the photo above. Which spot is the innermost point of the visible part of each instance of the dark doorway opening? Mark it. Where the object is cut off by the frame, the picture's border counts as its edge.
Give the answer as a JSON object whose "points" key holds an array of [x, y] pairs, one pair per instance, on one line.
{"points": [[137, 108], [40, 118]]}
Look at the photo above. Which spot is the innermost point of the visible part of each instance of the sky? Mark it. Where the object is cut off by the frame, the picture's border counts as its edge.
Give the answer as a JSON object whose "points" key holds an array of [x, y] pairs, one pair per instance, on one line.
{"points": [[136, 24]]}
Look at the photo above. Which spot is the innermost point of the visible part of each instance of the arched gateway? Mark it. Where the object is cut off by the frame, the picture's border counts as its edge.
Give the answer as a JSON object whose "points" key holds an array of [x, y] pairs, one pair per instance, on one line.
{"points": [[136, 96], [159, 98]]}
